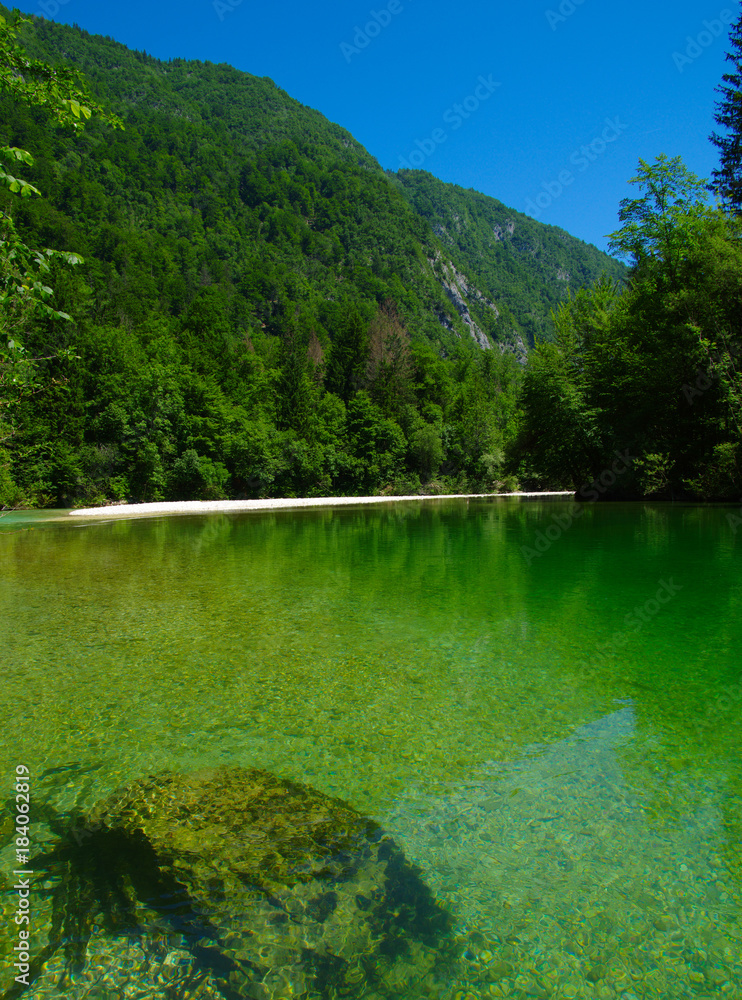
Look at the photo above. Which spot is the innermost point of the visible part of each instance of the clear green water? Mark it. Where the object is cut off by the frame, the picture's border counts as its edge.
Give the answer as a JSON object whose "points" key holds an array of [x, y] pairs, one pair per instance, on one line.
{"points": [[579, 812]]}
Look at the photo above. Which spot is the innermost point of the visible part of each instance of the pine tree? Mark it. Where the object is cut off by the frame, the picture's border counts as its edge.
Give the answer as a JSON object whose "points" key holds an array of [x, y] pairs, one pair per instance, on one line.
{"points": [[727, 181], [346, 372]]}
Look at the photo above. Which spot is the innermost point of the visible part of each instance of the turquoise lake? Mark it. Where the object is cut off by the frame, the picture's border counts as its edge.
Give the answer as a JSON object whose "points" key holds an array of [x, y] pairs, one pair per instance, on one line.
{"points": [[554, 739]]}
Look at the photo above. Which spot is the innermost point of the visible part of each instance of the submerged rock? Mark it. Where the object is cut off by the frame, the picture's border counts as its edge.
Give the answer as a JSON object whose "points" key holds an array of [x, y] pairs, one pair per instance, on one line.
{"points": [[276, 889]]}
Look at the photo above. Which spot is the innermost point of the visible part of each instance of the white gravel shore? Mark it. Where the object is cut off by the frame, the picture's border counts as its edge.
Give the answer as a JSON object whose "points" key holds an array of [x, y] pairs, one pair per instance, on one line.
{"points": [[206, 506]]}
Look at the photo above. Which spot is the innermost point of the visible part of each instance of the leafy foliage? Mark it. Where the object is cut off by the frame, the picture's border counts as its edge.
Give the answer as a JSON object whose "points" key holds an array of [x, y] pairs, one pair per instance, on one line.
{"points": [[57, 89], [654, 373], [258, 310], [24, 293], [661, 225]]}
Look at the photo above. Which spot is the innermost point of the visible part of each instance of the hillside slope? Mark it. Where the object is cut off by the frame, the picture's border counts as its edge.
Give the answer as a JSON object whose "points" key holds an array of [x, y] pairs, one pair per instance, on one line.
{"points": [[278, 204], [523, 264], [221, 178], [261, 310]]}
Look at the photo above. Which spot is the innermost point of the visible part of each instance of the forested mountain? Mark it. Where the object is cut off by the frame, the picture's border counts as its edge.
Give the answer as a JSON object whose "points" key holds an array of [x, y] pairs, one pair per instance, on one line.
{"points": [[260, 311], [219, 179], [274, 201], [528, 268]]}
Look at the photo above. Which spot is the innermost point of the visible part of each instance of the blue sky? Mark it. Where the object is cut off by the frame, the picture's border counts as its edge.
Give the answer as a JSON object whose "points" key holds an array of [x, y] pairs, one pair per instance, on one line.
{"points": [[545, 104]]}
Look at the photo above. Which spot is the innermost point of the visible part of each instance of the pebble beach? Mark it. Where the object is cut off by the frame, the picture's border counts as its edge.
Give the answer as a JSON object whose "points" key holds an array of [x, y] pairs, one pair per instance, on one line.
{"points": [[207, 506]]}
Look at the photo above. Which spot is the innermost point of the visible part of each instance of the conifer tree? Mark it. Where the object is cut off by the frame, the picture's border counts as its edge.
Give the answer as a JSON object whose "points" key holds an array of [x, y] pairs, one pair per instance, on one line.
{"points": [[346, 372], [727, 180]]}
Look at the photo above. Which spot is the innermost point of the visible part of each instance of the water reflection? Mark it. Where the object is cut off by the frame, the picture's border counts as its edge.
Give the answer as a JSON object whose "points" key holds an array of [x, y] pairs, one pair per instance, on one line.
{"points": [[585, 824]]}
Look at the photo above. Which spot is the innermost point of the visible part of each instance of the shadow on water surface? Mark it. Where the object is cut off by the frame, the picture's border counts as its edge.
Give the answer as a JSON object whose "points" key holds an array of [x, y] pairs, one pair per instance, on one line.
{"points": [[266, 889], [573, 867], [583, 825]]}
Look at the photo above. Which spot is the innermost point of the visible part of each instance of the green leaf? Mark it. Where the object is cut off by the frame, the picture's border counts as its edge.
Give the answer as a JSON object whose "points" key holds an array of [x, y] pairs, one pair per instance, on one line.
{"points": [[14, 154]]}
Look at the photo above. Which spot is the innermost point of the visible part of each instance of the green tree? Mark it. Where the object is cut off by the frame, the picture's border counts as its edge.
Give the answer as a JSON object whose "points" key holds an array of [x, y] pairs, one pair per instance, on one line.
{"points": [[346, 371], [377, 443], [669, 215], [679, 327], [426, 449], [24, 292], [652, 374], [297, 387], [561, 430], [727, 180]]}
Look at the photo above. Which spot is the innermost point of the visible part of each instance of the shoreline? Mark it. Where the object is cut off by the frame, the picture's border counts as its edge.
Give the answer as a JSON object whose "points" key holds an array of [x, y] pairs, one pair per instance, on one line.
{"points": [[208, 506]]}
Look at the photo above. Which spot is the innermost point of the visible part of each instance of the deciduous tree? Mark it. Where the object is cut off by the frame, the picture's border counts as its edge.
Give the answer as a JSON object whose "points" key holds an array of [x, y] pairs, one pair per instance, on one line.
{"points": [[24, 291], [669, 215]]}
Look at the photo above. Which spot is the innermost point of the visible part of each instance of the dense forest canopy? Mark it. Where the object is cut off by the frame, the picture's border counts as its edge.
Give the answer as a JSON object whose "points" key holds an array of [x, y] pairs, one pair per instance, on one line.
{"points": [[527, 267], [234, 300], [654, 373]]}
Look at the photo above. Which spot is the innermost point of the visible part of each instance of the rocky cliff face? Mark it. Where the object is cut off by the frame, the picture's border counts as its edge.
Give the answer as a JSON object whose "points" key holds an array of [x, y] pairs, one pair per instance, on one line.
{"points": [[460, 293], [523, 266], [464, 295]]}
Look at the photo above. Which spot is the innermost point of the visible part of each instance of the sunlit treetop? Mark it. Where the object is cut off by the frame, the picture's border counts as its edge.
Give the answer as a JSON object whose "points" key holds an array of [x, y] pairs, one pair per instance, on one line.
{"points": [[658, 225]]}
